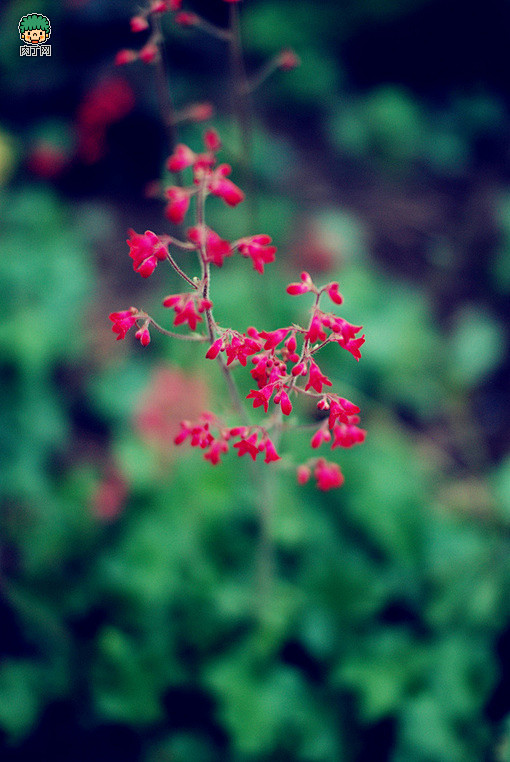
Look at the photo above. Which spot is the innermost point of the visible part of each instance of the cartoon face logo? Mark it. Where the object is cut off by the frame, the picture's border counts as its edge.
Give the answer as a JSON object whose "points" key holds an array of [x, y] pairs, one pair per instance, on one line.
{"points": [[34, 28]]}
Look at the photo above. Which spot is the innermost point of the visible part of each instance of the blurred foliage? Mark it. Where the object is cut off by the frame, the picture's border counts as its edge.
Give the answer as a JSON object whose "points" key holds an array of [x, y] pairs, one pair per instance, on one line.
{"points": [[143, 614]]}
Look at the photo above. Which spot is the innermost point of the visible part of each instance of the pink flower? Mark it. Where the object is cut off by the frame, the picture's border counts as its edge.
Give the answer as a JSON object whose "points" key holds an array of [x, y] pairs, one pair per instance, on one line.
{"points": [[273, 338], [158, 6], [261, 397], [315, 331], [240, 348], [258, 249], [186, 18], [187, 307], [347, 435], [282, 398], [198, 112], [303, 474], [334, 294], [181, 158], [148, 53], [328, 475], [139, 24], [212, 140], [216, 249], [214, 349], [124, 57], [143, 336], [123, 321], [217, 447], [179, 204], [145, 251], [248, 446], [317, 379], [295, 289], [225, 189], [288, 60], [271, 454], [320, 436]]}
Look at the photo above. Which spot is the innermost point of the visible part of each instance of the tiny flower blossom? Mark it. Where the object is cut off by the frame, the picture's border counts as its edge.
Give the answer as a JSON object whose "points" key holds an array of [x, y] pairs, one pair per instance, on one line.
{"points": [[181, 158], [328, 475], [248, 446], [217, 447], [139, 24], [143, 335], [145, 251], [334, 294], [212, 140], [124, 57], [148, 53], [199, 112], [303, 474], [320, 436], [315, 331], [295, 289], [159, 6], [186, 18], [178, 204], [282, 398], [216, 249], [187, 307], [317, 379], [123, 321], [268, 446], [347, 435], [261, 396], [288, 60], [220, 186], [258, 249]]}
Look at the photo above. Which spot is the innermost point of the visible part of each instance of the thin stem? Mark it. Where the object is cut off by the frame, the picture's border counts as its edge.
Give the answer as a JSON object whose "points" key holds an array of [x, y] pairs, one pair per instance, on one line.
{"points": [[183, 336], [179, 271], [240, 93], [212, 29], [206, 274], [255, 82]]}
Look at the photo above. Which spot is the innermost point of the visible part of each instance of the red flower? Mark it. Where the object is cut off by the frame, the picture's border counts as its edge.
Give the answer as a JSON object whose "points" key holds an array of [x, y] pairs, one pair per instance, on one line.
{"points": [[347, 435], [185, 18], [257, 248], [248, 446], [271, 454], [216, 249], [295, 289], [143, 336], [145, 250], [218, 447], [212, 141], [148, 53], [186, 306], [288, 60], [320, 436], [334, 294], [181, 158], [303, 474], [225, 189], [317, 379], [328, 475], [179, 204], [124, 57], [315, 331], [261, 397], [139, 24], [123, 321]]}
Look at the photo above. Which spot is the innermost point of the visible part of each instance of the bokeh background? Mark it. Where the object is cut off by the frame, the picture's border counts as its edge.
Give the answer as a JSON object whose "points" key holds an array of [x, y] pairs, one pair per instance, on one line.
{"points": [[143, 616]]}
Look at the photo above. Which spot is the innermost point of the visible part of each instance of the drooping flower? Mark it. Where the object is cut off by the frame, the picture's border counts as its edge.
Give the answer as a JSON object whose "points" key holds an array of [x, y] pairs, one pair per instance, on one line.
{"points": [[123, 321], [220, 186], [261, 396], [187, 307], [317, 379], [146, 251], [257, 248], [328, 475], [216, 249], [248, 446], [181, 158], [178, 205]]}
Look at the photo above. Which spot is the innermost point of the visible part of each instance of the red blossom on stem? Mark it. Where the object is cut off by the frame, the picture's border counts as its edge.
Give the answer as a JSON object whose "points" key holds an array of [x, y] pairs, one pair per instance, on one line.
{"points": [[257, 248], [146, 251]]}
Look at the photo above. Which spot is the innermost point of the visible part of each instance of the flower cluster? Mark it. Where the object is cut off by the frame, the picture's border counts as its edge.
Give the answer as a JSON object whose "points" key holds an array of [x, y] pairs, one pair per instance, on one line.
{"points": [[251, 440], [283, 363]]}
